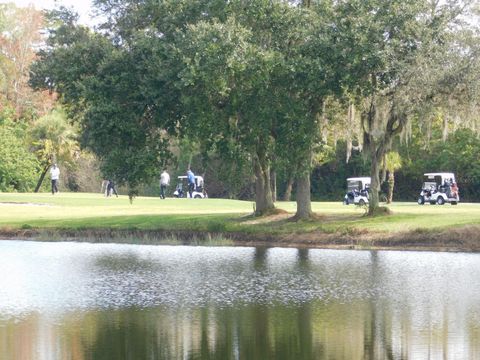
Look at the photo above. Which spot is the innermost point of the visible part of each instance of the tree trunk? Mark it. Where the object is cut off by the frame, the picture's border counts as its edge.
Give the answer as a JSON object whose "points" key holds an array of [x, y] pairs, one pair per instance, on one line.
{"points": [[304, 201], [391, 184], [42, 177], [373, 201], [273, 176], [303, 191], [288, 191], [263, 190], [378, 145]]}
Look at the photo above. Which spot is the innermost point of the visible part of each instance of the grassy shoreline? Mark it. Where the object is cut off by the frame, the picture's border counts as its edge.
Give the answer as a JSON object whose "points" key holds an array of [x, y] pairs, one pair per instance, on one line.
{"points": [[91, 217]]}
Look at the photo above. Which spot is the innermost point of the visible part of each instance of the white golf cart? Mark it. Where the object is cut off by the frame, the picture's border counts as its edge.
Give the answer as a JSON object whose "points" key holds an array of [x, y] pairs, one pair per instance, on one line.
{"points": [[357, 191], [439, 188], [181, 189]]}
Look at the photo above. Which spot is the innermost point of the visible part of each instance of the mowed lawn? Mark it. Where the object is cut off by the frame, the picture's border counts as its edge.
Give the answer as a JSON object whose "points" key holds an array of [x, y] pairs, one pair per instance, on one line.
{"points": [[92, 211]]}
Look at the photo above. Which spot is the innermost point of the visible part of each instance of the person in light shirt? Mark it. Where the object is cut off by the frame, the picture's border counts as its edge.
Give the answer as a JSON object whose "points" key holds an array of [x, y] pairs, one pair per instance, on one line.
{"points": [[54, 175], [164, 182], [191, 182]]}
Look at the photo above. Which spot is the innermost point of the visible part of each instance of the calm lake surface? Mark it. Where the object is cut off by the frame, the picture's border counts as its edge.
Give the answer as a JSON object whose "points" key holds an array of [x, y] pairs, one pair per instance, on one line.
{"points": [[109, 301]]}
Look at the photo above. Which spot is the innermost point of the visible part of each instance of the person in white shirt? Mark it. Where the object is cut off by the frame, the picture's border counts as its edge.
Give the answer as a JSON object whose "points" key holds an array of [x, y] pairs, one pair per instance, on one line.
{"points": [[54, 175], [164, 182]]}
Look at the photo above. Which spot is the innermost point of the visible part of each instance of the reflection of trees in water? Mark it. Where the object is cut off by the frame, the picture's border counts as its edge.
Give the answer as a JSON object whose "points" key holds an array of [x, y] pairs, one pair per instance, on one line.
{"points": [[377, 333], [303, 259], [260, 258], [127, 261], [304, 314], [366, 328], [20, 340], [251, 332], [127, 335], [360, 330]]}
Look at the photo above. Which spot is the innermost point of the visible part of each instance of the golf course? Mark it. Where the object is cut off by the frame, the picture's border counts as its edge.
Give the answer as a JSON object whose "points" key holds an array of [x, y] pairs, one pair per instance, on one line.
{"points": [[92, 217]]}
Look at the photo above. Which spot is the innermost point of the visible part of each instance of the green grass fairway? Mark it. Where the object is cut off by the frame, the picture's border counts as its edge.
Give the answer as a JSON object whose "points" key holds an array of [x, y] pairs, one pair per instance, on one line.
{"points": [[79, 211]]}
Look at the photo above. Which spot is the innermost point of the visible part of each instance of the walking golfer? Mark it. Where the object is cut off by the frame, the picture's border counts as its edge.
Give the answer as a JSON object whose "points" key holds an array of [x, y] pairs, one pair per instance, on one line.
{"points": [[191, 182], [164, 182], [54, 175]]}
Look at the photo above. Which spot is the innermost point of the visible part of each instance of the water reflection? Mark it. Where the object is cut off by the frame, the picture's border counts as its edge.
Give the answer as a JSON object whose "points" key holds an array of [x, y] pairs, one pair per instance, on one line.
{"points": [[84, 301]]}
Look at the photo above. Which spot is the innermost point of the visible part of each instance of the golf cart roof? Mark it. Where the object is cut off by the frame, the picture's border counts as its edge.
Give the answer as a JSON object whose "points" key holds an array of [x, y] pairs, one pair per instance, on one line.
{"points": [[443, 175], [362, 179]]}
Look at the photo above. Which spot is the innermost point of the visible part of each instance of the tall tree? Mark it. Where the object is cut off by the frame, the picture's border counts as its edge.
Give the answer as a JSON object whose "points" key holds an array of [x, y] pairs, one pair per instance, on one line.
{"points": [[230, 101], [265, 92], [54, 140], [20, 37], [258, 80], [117, 93], [389, 43]]}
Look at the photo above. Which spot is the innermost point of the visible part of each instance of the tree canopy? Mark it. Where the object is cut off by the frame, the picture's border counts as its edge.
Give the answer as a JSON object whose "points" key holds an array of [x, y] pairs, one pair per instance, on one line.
{"points": [[259, 83]]}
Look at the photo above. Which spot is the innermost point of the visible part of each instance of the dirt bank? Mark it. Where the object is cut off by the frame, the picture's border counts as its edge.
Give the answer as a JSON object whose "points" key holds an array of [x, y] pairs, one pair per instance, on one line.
{"points": [[466, 239]]}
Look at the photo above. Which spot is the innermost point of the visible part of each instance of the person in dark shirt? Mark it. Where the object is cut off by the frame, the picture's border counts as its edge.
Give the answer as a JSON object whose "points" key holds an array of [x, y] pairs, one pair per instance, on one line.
{"points": [[111, 188]]}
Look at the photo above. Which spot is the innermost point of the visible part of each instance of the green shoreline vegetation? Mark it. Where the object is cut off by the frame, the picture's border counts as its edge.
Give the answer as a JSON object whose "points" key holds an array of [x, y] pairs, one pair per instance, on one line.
{"points": [[92, 217]]}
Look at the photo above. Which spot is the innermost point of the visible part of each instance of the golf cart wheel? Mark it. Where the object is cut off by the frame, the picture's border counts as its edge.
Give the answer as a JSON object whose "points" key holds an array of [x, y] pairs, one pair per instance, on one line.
{"points": [[421, 200], [197, 197], [440, 200], [361, 202], [453, 202]]}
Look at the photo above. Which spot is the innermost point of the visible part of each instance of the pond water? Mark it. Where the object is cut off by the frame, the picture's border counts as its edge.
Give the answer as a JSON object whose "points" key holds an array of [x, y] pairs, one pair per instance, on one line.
{"points": [[109, 301]]}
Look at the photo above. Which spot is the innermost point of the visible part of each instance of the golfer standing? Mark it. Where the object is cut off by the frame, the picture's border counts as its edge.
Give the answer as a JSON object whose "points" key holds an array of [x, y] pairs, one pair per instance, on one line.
{"points": [[54, 175], [191, 182], [164, 182]]}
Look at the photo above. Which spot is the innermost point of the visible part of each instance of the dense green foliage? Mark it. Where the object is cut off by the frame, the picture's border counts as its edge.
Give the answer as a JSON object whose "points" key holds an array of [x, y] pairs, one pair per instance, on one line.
{"points": [[399, 39], [18, 166], [33, 133], [457, 154], [260, 98]]}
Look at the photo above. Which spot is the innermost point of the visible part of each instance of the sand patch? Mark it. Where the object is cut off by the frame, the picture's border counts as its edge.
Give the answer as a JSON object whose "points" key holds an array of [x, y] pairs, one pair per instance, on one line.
{"points": [[5, 203]]}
